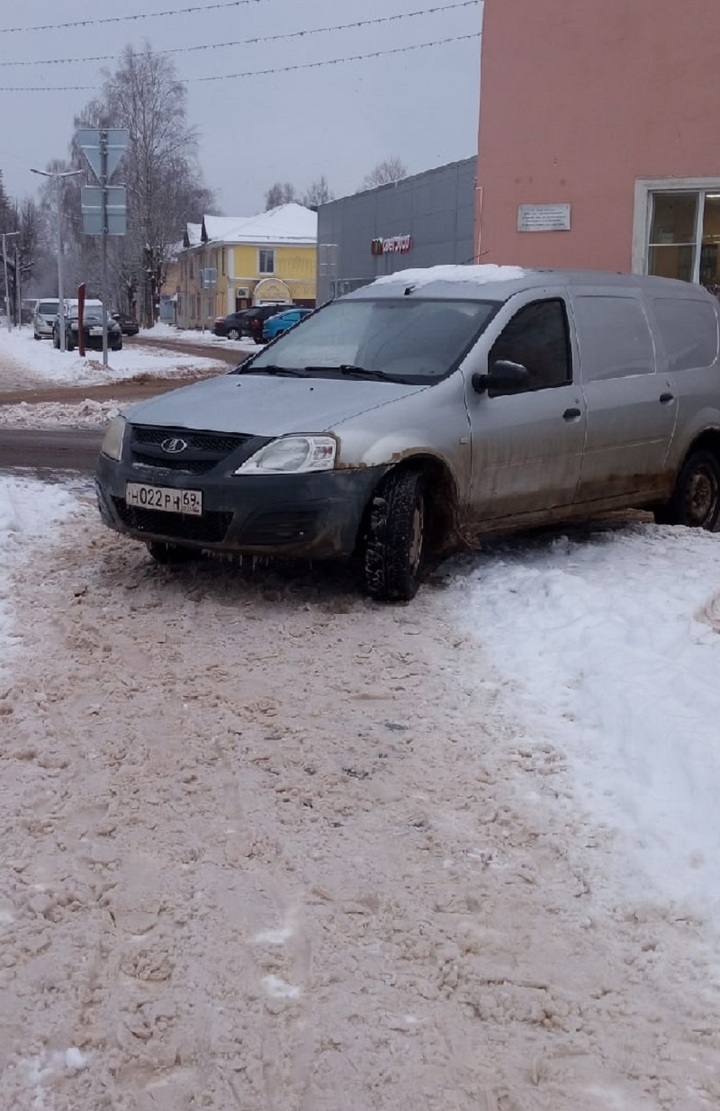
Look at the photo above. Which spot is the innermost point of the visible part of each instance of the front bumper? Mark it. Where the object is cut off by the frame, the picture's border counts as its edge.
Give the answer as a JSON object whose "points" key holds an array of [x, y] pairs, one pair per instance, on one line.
{"points": [[309, 516]]}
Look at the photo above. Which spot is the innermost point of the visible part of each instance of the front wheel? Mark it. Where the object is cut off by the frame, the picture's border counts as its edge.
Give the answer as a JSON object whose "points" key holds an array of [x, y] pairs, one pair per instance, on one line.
{"points": [[170, 553], [695, 501], [233, 334], [395, 542]]}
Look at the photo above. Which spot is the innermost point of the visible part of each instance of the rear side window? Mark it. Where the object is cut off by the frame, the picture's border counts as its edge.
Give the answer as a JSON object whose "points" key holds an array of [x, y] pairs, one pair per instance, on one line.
{"points": [[689, 331], [614, 337], [537, 338]]}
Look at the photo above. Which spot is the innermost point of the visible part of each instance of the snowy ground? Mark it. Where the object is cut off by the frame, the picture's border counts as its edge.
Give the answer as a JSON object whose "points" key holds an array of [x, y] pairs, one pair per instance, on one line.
{"points": [[25, 361], [269, 846]]}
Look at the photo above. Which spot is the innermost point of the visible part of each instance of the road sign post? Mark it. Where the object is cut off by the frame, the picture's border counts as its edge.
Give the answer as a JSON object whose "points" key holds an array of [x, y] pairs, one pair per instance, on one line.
{"points": [[104, 209]]}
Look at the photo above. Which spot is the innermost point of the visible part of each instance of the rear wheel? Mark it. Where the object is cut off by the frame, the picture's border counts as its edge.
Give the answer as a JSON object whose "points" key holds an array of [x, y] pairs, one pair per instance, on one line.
{"points": [[395, 542], [695, 501], [233, 334], [170, 553]]}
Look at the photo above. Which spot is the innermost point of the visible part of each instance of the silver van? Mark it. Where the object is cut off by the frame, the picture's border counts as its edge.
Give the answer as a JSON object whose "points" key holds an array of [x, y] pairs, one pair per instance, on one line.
{"points": [[426, 410]]}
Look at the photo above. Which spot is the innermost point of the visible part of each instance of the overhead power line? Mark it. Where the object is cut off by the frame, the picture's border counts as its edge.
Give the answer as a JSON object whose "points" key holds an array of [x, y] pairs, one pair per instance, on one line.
{"points": [[256, 72], [129, 18], [438, 9]]}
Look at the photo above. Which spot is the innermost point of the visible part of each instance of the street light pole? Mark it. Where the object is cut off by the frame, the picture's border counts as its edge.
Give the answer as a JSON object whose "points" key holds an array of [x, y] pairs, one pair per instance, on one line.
{"points": [[58, 177], [5, 236]]}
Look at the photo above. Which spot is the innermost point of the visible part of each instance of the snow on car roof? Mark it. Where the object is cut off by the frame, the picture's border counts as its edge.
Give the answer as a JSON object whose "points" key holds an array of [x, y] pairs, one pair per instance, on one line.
{"points": [[478, 275]]}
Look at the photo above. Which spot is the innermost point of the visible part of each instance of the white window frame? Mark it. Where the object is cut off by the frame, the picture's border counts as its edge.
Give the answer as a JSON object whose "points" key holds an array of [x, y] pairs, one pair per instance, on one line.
{"points": [[644, 188], [266, 251]]}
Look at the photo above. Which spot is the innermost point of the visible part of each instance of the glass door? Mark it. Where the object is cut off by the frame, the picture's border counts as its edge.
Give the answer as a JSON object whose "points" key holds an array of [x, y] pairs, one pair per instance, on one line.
{"points": [[672, 249]]}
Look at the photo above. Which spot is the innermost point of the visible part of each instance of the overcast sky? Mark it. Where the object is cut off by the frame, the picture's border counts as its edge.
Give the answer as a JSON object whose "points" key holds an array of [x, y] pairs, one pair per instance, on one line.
{"points": [[336, 120]]}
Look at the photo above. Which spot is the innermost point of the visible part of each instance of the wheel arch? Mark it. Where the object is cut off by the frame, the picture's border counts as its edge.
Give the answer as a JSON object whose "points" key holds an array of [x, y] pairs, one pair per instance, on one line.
{"points": [[442, 498]]}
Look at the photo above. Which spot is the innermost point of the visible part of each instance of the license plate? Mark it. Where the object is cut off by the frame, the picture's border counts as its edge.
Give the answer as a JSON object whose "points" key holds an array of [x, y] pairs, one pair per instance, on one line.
{"points": [[96, 331], [165, 498]]}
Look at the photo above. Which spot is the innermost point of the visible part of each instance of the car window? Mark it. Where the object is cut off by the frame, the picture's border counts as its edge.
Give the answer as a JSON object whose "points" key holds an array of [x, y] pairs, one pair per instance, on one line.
{"points": [[47, 307], [537, 338], [410, 338], [614, 337], [689, 331]]}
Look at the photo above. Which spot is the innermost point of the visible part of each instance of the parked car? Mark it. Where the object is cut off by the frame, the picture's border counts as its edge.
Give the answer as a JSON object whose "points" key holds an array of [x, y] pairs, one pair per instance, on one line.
{"points": [[128, 324], [426, 410], [92, 328], [276, 325], [254, 319], [230, 325], [45, 316]]}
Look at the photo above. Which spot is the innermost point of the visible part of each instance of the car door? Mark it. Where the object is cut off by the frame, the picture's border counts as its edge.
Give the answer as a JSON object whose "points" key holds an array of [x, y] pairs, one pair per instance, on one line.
{"points": [[527, 447], [630, 395]]}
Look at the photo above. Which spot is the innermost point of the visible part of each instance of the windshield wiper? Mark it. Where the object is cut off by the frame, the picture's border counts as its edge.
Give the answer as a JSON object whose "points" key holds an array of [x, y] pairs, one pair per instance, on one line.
{"points": [[272, 368], [353, 371]]}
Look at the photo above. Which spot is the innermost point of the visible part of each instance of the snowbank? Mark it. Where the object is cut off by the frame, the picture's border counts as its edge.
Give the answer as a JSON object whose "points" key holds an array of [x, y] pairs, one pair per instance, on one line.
{"points": [[611, 641]]}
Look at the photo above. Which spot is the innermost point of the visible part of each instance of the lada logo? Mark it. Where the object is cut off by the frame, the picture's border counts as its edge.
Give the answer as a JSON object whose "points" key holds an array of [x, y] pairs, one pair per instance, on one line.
{"points": [[173, 446]]}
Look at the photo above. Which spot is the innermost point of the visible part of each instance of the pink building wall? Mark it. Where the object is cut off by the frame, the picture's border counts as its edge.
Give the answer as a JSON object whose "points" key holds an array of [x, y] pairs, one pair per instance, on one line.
{"points": [[579, 98]]}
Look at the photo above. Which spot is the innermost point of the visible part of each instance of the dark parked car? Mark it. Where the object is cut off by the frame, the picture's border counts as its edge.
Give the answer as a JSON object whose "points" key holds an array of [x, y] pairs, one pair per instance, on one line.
{"points": [[255, 318], [128, 324], [92, 330], [230, 325]]}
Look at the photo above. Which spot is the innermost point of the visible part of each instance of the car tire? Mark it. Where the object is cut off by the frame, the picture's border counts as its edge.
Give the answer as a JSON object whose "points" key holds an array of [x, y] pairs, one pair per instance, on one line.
{"points": [[695, 501], [36, 336], [117, 346], [69, 345], [258, 339], [394, 545], [233, 333], [170, 553]]}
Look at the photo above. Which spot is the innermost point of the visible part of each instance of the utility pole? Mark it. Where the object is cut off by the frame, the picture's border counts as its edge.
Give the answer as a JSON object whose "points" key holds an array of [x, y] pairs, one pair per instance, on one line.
{"points": [[59, 177], [5, 236], [104, 219]]}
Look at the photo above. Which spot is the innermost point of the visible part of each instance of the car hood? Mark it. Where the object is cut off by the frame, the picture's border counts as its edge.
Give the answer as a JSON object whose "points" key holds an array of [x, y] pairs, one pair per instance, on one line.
{"points": [[261, 405]]}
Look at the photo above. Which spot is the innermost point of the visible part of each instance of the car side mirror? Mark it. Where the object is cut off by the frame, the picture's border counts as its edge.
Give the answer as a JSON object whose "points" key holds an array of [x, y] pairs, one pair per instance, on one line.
{"points": [[504, 377]]}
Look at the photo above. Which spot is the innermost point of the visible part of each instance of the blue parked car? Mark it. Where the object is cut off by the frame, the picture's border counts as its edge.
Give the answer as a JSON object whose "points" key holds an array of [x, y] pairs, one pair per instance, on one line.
{"points": [[274, 325]]}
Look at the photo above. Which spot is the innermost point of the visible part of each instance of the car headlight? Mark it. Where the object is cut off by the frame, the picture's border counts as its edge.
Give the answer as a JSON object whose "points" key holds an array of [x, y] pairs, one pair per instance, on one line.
{"points": [[112, 445], [292, 455]]}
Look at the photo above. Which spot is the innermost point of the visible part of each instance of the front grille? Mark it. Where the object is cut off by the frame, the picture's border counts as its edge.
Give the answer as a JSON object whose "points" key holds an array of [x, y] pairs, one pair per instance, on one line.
{"points": [[211, 528], [204, 451], [173, 463]]}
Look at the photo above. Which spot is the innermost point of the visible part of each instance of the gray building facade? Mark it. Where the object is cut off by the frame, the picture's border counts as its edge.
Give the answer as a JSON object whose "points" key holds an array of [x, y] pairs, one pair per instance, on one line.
{"points": [[423, 220]]}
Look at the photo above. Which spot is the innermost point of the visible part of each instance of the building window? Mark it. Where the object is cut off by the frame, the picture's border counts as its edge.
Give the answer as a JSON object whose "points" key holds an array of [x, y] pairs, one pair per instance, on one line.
{"points": [[222, 261], [684, 236], [266, 262]]}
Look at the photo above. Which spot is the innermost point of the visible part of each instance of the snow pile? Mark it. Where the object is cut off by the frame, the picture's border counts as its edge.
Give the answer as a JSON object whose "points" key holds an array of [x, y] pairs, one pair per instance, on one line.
{"points": [[612, 643], [28, 510], [40, 360], [85, 414]]}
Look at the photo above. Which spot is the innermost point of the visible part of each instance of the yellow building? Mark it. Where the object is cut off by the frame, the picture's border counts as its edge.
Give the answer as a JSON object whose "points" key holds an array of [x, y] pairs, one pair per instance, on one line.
{"points": [[231, 263]]}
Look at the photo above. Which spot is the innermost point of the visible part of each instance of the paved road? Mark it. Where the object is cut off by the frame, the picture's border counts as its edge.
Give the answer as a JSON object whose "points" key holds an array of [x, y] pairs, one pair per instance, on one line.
{"points": [[49, 450]]}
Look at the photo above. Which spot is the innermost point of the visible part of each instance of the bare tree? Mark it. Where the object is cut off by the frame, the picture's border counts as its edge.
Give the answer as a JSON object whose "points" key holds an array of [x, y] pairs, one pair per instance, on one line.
{"points": [[282, 192], [164, 184], [318, 193], [389, 170]]}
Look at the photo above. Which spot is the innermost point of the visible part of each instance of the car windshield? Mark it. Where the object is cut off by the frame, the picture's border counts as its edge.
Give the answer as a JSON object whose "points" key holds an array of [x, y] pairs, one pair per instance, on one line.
{"points": [[400, 339], [47, 307], [92, 314]]}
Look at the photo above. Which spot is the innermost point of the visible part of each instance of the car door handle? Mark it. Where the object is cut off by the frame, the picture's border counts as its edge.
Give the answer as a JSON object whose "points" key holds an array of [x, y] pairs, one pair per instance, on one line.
{"points": [[666, 398], [572, 414]]}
